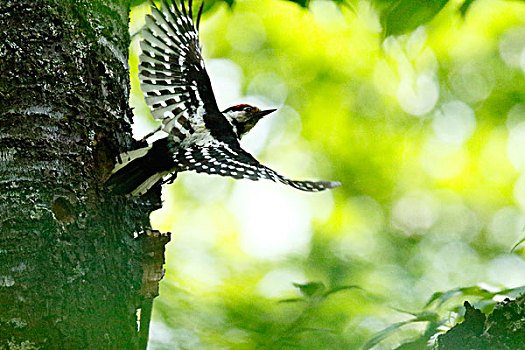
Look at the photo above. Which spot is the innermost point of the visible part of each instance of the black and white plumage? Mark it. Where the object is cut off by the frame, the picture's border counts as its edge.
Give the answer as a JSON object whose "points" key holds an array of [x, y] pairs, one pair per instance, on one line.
{"points": [[178, 91]]}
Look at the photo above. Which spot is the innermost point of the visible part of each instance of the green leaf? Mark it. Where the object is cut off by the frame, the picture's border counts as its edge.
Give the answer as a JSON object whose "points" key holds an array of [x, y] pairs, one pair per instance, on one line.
{"points": [[517, 244], [512, 292], [302, 3], [311, 288], [291, 300], [477, 291], [472, 291], [422, 341], [340, 288], [465, 6], [229, 2], [379, 337], [403, 16], [433, 298], [317, 330], [133, 3], [415, 314]]}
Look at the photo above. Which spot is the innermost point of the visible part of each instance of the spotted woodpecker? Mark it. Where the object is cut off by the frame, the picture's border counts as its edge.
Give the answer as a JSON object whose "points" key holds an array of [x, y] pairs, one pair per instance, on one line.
{"points": [[178, 91]]}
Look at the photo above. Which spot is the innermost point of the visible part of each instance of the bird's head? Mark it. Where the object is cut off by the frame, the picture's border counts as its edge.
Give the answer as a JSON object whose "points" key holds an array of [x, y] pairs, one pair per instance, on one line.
{"points": [[244, 117]]}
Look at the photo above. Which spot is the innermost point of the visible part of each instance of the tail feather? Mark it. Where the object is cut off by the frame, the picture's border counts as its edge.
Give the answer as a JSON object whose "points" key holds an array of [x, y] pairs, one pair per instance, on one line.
{"points": [[141, 169], [147, 184], [130, 177], [128, 157]]}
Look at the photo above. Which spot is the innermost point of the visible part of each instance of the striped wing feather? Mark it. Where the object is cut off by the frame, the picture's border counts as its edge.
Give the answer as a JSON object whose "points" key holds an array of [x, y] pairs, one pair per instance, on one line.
{"points": [[173, 78], [221, 159]]}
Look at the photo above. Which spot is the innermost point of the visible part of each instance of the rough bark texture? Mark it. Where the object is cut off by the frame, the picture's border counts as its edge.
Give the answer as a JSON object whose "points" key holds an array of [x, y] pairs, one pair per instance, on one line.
{"points": [[75, 263], [503, 329]]}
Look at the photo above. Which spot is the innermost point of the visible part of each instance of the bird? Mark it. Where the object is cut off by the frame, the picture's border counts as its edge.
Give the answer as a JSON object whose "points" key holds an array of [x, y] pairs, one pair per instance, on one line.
{"points": [[178, 92]]}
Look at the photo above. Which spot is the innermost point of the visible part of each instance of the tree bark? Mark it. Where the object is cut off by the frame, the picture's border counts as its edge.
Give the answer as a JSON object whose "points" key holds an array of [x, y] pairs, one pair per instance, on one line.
{"points": [[77, 265], [503, 329]]}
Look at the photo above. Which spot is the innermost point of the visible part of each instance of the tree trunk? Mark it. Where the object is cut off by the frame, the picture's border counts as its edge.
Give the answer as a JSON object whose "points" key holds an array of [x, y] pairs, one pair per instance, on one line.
{"points": [[503, 329], [77, 265]]}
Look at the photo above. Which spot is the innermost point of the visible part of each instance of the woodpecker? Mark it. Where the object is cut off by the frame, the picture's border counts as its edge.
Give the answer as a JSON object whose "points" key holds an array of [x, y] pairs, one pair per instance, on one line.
{"points": [[178, 91]]}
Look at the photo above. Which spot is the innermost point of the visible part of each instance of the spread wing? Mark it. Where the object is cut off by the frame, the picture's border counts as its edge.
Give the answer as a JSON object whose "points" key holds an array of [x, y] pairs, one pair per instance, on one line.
{"points": [[222, 159], [173, 78]]}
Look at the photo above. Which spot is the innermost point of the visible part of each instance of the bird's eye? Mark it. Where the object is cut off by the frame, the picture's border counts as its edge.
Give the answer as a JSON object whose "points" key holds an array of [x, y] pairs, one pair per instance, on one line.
{"points": [[248, 108]]}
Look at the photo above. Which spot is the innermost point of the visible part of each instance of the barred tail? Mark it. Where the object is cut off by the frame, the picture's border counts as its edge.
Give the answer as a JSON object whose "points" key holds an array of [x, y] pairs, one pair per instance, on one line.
{"points": [[141, 169]]}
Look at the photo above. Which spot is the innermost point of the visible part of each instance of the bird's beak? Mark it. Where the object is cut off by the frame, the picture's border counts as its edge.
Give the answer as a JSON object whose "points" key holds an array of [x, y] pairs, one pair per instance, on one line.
{"points": [[254, 119], [261, 114]]}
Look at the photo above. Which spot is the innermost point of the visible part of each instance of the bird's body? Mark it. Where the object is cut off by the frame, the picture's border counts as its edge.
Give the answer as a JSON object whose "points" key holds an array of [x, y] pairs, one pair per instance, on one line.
{"points": [[178, 91]]}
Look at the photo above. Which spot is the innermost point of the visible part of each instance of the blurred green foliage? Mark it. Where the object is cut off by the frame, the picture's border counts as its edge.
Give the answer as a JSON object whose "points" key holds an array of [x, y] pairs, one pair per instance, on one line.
{"points": [[419, 110]]}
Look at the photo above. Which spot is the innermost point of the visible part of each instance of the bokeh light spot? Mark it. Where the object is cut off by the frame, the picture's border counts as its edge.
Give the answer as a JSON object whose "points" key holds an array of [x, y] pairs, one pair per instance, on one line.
{"points": [[507, 271], [414, 213], [274, 221], [454, 123], [278, 283], [511, 46], [442, 160], [516, 146], [420, 96]]}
